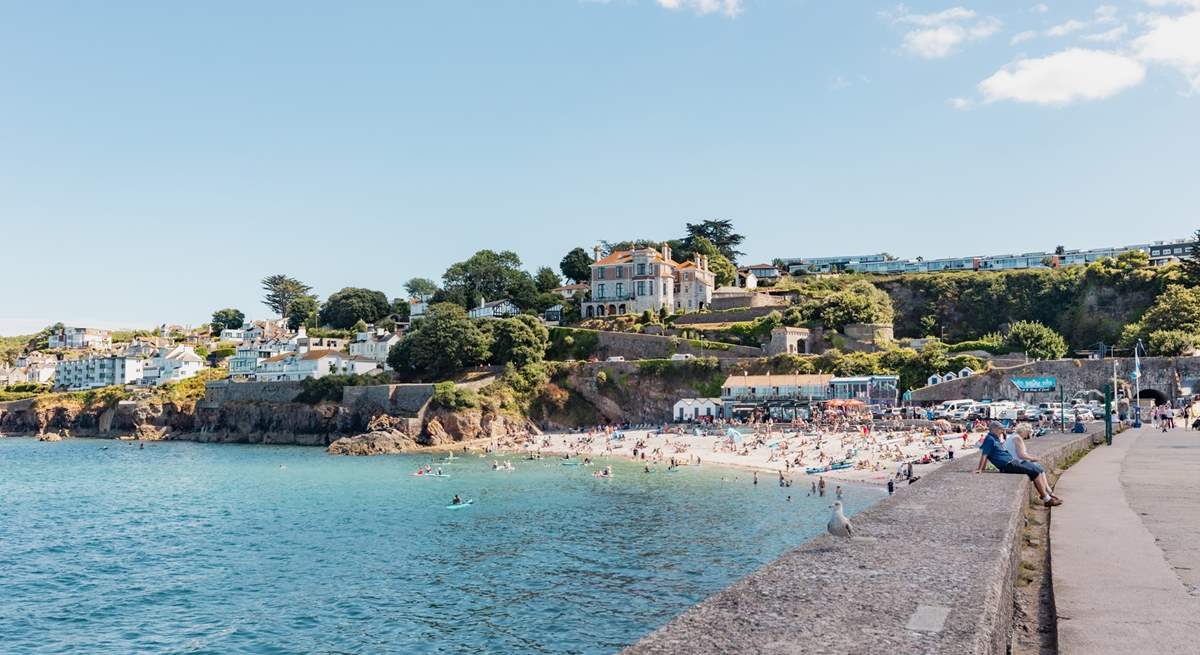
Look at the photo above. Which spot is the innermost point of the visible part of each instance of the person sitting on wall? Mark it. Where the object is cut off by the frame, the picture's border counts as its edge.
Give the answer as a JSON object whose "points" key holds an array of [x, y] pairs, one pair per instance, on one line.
{"points": [[992, 451]]}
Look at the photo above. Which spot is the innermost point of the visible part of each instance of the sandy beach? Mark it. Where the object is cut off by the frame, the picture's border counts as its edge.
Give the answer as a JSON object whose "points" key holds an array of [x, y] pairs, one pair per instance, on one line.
{"points": [[876, 457]]}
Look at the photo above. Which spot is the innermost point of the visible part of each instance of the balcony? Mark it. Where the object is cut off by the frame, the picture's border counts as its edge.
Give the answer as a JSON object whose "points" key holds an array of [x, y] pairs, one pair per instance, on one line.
{"points": [[612, 297]]}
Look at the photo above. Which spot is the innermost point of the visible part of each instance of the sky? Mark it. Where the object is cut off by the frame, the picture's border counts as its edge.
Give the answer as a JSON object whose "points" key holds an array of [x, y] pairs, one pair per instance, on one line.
{"points": [[158, 159]]}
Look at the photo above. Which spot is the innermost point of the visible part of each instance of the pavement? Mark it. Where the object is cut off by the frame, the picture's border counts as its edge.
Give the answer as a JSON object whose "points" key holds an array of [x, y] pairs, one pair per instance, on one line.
{"points": [[1125, 547]]}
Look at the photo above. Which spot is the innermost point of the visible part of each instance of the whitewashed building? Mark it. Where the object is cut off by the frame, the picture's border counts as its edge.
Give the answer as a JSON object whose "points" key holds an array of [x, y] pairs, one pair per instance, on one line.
{"points": [[312, 364], [81, 337], [417, 307], [374, 345], [171, 365], [697, 409], [95, 372], [569, 291], [234, 335], [38, 373]]}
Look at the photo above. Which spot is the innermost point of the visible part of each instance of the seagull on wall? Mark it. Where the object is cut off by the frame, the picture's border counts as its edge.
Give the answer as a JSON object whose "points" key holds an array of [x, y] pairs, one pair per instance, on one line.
{"points": [[839, 525]]}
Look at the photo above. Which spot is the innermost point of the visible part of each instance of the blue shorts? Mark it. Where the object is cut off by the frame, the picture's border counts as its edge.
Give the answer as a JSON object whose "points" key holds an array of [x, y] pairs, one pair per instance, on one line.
{"points": [[1031, 469]]}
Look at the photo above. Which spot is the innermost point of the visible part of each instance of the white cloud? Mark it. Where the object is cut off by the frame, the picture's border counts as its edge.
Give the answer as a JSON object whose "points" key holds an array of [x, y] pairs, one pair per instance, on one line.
{"points": [[940, 34], [1173, 3], [1064, 77], [1021, 37], [730, 8], [961, 104], [1108, 36], [1066, 28], [837, 83], [1039, 8], [1106, 14], [1175, 42]]}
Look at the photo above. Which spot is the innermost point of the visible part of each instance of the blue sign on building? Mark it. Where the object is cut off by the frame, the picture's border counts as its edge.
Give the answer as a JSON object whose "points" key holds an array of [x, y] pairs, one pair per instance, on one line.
{"points": [[1047, 383]]}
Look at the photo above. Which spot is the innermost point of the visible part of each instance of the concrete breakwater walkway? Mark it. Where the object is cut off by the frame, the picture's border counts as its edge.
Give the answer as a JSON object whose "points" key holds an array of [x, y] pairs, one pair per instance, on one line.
{"points": [[930, 570], [1126, 547]]}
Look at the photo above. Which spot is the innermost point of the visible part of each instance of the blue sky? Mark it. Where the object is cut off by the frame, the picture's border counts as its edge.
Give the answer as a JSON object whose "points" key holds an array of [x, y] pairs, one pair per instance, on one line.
{"points": [[158, 159]]}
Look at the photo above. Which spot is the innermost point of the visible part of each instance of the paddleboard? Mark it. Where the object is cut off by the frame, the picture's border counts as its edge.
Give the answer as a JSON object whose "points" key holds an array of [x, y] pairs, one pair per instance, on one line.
{"points": [[464, 504]]}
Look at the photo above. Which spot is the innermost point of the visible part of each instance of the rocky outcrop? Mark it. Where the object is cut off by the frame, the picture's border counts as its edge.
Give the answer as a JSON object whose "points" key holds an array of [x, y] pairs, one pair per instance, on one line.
{"points": [[444, 427], [380, 442]]}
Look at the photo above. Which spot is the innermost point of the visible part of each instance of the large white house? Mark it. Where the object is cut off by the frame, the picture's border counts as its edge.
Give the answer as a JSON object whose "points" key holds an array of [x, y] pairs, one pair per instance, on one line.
{"points": [[171, 365], [95, 372], [632, 281], [81, 337], [374, 345], [312, 364]]}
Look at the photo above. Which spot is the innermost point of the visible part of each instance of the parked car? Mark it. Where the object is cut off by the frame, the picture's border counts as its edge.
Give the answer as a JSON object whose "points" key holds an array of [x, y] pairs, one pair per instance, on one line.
{"points": [[615, 358]]}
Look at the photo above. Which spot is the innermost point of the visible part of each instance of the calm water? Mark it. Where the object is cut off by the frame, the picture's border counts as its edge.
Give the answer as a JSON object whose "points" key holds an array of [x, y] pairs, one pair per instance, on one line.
{"points": [[196, 548]]}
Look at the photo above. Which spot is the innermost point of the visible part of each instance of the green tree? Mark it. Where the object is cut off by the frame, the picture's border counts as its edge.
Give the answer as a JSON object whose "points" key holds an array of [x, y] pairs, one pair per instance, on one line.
{"points": [[1176, 309], [227, 319], [860, 302], [359, 326], [1172, 343], [302, 311], [723, 270], [1035, 340], [717, 232], [352, 304], [546, 279], [281, 291], [1190, 265], [445, 341], [521, 340], [487, 275], [576, 265], [421, 287]]}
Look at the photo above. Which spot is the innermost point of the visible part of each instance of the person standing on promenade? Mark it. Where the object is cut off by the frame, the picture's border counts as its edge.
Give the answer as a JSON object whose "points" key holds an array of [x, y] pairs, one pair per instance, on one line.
{"points": [[992, 451]]}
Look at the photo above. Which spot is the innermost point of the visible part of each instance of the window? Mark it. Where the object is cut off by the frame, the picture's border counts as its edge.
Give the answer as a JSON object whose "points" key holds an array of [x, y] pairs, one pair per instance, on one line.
{"points": [[620, 272], [600, 273], [652, 287], [641, 269], [601, 293], [620, 288], [641, 288]]}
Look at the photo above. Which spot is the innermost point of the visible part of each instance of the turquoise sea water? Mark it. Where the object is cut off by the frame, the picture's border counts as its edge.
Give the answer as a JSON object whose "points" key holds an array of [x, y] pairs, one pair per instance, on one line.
{"points": [[197, 548]]}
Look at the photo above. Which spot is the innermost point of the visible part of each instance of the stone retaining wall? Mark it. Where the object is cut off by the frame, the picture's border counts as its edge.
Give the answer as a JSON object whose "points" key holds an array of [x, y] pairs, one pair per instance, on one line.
{"points": [[223, 391], [631, 345], [407, 400], [931, 571]]}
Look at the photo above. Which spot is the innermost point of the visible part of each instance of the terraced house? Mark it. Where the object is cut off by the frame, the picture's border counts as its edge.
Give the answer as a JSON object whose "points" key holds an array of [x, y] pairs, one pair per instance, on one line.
{"points": [[633, 281]]}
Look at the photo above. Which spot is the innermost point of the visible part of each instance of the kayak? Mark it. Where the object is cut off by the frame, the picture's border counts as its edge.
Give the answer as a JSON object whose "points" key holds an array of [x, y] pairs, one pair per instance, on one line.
{"points": [[565, 463], [462, 505]]}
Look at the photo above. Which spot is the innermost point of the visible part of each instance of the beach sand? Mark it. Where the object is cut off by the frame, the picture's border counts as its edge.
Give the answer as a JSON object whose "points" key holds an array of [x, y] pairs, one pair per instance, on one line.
{"points": [[880, 453]]}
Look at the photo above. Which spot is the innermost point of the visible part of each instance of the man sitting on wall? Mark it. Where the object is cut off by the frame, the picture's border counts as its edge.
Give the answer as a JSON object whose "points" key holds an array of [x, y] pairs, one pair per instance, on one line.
{"points": [[992, 451]]}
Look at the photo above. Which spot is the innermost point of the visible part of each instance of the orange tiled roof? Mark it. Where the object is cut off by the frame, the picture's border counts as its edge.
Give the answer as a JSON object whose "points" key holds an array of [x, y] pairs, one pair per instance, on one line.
{"points": [[626, 256]]}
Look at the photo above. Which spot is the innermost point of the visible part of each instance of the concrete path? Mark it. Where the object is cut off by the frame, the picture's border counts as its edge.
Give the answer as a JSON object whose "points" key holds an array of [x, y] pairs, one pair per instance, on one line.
{"points": [[1125, 547]]}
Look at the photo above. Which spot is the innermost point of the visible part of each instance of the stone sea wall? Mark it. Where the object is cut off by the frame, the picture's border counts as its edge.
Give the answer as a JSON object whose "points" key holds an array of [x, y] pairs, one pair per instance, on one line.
{"points": [[930, 570]]}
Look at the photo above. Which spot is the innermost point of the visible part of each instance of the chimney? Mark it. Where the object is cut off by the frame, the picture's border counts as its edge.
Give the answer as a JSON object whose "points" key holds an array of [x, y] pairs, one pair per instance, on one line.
{"points": [[596, 252], [666, 251]]}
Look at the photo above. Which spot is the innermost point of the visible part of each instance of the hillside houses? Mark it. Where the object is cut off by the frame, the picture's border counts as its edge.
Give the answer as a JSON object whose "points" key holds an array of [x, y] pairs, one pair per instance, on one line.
{"points": [[293, 366], [374, 345]]}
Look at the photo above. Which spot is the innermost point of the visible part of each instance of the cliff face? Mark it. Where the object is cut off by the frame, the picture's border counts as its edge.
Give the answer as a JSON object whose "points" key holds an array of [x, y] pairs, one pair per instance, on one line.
{"points": [[619, 392]]}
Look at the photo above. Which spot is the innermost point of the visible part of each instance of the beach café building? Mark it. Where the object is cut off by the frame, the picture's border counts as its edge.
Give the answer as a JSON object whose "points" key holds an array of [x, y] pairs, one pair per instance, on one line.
{"points": [[870, 389], [697, 409], [781, 397]]}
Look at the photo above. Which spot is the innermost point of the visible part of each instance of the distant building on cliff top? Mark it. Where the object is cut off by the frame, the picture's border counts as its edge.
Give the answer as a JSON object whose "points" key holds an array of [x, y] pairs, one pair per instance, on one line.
{"points": [[74, 338], [292, 366]]}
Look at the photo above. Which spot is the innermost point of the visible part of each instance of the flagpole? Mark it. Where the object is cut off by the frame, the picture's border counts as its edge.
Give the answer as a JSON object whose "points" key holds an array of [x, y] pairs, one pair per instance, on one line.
{"points": [[1137, 381]]}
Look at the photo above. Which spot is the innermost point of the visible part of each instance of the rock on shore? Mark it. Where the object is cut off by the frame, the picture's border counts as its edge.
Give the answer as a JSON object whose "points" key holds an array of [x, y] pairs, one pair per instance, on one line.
{"points": [[379, 442]]}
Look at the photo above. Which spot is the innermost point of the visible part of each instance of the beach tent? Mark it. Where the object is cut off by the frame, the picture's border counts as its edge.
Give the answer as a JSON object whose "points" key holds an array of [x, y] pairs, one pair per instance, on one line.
{"points": [[733, 434]]}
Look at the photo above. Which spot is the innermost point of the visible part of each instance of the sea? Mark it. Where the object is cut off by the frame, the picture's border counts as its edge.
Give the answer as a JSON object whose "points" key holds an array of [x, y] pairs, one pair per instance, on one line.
{"points": [[179, 547]]}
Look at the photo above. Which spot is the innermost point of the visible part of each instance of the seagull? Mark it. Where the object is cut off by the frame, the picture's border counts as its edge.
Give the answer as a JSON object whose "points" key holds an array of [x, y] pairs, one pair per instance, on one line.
{"points": [[839, 525]]}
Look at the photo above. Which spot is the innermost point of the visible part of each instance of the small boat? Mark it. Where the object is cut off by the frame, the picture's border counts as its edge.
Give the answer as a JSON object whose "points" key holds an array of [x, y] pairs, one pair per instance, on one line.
{"points": [[463, 505]]}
